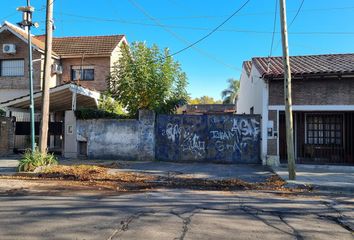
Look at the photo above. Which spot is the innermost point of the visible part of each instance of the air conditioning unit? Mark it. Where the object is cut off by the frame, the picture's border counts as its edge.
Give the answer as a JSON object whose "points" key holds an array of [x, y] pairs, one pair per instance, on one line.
{"points": [[9, 48], [57, 69]]}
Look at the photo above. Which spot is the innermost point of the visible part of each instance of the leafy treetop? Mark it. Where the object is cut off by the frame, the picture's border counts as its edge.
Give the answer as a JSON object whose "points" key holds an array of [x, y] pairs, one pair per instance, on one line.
{"points": [[230, 94], [147, 78], [204, 100]]}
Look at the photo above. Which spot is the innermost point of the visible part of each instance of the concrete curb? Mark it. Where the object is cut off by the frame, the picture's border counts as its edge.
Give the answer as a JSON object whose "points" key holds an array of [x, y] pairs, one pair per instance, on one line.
{"points": [[306, 181], [320, 188]]}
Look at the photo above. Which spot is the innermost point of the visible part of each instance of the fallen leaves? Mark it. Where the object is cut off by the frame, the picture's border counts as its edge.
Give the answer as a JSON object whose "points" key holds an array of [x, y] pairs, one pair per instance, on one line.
{"points": [[101, 178]]}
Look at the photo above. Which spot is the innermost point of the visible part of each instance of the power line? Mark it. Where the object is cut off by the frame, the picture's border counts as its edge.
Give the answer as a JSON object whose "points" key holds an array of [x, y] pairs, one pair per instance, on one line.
{"points": [[140, 8], [252, 14], [8, 16], [213, 31], [297, 13], [274, 26], [293, 20], [201, 28], [272, 42]]}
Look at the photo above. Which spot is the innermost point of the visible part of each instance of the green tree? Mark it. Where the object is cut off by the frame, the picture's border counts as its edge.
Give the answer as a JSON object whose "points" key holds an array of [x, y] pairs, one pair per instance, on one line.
{"points": [[204, 100], [2, 113], [108, 104], [147, 78], [230, 94]]}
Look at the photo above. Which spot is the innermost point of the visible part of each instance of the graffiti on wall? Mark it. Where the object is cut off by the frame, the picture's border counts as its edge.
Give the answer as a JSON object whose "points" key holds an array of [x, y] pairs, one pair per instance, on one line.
{"points": [[221, 138], [242, 133], [190, 141]]}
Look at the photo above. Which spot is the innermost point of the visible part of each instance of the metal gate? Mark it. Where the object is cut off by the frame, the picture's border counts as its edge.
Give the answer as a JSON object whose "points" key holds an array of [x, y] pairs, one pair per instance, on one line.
{"points": [[208, 138], [320, 137], [23, 134]]}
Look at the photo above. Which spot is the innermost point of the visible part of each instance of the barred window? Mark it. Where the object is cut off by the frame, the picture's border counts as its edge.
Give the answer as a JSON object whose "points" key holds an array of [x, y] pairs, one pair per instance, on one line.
{"points": [[88, 73], [324, 129], [12, 68]]}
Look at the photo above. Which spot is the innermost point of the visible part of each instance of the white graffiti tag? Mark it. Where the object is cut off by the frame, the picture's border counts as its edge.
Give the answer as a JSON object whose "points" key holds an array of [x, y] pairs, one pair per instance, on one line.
{"points": [[173, 132], [193, 144], [190, 142], [242, 132]]}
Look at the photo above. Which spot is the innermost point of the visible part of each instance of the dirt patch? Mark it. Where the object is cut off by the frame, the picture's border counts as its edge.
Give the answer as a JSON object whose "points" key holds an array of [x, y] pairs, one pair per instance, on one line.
{"points": [[99, 178]]}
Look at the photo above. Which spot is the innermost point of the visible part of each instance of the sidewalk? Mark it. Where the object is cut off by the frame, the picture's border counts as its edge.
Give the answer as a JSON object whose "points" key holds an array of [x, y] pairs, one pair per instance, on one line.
{"points": [[210, 171], [321, 177], [8, 165]]}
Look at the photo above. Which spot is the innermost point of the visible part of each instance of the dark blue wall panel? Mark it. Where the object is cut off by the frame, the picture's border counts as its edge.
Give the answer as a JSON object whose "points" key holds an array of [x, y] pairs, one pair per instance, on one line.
{"points": [[208, 138]]}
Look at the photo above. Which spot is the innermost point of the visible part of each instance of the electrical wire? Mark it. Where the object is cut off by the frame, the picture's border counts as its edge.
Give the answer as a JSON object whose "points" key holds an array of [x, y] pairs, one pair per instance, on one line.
{"points": [[212, 31], [293, 20], [272, 42], [274, 26], [297, 13], [141, 9], [201, 28]]}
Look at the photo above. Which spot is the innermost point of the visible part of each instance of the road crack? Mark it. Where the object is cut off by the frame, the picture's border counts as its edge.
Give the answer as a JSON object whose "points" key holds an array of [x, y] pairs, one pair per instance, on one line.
{"points": [[339, 217], [124, 224], [186, 222], [256, 213]]}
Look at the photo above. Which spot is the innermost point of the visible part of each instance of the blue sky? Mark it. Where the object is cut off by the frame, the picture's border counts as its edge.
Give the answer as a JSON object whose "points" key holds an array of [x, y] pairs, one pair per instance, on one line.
{"points": [[322, 26]]}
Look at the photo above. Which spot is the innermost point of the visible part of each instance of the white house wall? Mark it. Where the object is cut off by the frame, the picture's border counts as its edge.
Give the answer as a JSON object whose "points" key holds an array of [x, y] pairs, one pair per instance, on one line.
{"points": [[254, 93], [251, 92]]}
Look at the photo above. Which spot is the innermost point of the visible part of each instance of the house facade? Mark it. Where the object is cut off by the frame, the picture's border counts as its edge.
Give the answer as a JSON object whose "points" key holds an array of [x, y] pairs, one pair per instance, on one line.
{"points": [[86, 60], [80, 67], [323, 107], [14, 63]]}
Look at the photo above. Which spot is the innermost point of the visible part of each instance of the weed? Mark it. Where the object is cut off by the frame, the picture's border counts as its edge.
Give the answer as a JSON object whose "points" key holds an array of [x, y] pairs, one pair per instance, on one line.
{"points": [[31, 160]]}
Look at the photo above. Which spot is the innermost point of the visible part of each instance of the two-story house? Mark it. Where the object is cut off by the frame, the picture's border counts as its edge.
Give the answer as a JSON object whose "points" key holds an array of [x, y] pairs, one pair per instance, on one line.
{"points": [[80, 67], [323, 106], [90, 56]]}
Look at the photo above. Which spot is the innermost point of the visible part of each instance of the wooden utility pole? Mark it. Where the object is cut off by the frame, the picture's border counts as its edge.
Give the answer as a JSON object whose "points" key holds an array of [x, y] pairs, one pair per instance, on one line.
{"points": [[287, 93], [43, 142]]}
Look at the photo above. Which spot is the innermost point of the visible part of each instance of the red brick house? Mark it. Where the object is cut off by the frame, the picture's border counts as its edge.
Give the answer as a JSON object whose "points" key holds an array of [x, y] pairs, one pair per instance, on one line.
{"points": [[323, 106], [80, 66], [94, 56]]}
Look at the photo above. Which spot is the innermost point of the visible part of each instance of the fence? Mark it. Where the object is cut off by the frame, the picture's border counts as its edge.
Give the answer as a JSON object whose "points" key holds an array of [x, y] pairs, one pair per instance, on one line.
{"points": [[208, 138]]}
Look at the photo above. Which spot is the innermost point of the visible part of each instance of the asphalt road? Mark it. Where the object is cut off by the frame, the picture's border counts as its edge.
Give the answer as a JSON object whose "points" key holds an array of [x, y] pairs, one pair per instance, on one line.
{"points": [[177, 214]]}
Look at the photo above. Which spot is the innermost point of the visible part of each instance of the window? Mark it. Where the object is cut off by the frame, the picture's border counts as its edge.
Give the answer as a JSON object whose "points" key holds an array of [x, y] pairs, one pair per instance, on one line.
{"points": [[12, 68], [324, 129], [88, 73]]}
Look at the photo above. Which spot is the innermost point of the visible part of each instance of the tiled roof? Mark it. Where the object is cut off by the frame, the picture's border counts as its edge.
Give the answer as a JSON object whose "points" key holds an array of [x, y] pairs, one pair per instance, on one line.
{"points": [[306, 65], [247, 66], [88, 45]]}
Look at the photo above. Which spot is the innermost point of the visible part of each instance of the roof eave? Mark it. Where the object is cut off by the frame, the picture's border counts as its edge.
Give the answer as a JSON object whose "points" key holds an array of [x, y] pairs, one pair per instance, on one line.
{"points": [[63, 56], [308, 75]]}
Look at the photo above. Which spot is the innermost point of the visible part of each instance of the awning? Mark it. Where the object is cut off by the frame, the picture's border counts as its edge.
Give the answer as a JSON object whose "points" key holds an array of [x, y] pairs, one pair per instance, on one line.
{"points": [[62, 97]]}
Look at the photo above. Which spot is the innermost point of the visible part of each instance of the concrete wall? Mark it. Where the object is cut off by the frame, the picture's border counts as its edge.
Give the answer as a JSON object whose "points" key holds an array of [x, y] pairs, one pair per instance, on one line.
{"points": [[7, 135], [254, 93], [119, 139], [208, 138], [70, 142]]}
